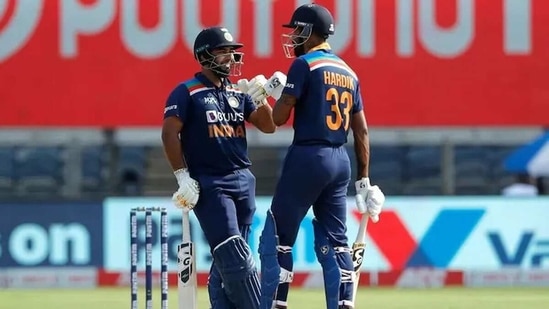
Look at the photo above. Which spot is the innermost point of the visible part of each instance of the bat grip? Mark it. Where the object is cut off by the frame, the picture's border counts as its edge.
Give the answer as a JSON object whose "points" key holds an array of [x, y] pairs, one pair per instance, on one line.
{"points": [[186, 227], [362, 227]]}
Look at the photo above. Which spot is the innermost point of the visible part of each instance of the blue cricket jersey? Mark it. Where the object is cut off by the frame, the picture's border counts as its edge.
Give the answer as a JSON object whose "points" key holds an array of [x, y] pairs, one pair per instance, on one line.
{"points": [[214, 132], [328, 94]]}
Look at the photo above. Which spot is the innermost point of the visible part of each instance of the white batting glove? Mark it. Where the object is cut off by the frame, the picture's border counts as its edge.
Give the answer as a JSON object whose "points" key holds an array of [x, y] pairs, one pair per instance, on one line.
{"points": [[260, 90], [369, 198], [244, 86], [186, 196]]}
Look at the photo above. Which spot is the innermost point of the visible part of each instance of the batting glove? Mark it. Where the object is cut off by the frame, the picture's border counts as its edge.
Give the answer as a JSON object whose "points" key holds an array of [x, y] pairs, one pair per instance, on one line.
{"points": [[369, 198], [186, 196], [244, 86], [260, 89]]}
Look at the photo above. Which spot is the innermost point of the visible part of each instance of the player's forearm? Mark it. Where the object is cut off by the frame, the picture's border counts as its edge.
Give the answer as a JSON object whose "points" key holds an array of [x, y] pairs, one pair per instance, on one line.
{"points": [[362, 152], [280, 117], [265, 121], [283, 108], [173, 151]]}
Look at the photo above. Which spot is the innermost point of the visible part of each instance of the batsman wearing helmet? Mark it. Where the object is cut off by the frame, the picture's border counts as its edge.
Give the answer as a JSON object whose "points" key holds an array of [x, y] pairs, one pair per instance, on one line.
{"points": [[324, 93], [204, 139]]}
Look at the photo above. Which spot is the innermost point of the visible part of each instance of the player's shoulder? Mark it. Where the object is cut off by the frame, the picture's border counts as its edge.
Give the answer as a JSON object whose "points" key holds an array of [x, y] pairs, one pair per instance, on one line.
{"points": [[318, 56], [185, 89], [183, 86], [300, 62], [319, 59], [347, 66], [192, 86], [331, 59]]}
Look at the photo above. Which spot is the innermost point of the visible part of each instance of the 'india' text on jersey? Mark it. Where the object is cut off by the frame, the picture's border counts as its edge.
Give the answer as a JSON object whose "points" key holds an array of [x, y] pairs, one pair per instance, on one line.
{"points": [[213, 125]]}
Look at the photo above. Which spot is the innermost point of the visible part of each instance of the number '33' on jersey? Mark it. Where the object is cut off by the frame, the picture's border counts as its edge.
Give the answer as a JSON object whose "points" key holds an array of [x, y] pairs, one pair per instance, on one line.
{"points": [[328, 94]]}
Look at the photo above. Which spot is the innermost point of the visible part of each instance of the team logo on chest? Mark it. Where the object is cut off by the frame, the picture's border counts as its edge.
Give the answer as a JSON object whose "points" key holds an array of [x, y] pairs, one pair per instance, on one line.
{"points": [[233, 102], [210, 99]]}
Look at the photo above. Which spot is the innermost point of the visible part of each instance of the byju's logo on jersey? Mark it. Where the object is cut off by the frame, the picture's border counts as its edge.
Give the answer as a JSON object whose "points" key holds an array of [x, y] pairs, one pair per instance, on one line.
{"points": [[211, 116], [226, 125], [210, 99], [217, 116]]}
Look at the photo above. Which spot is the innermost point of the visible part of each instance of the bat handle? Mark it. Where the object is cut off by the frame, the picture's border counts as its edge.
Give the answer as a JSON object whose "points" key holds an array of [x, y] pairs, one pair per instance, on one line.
{"points": [[186, 227], [363, 226]]}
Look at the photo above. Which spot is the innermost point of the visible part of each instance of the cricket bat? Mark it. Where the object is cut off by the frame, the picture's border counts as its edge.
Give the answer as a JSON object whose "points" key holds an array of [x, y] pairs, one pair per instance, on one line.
{"points": [[186, 268], [358, 251]]}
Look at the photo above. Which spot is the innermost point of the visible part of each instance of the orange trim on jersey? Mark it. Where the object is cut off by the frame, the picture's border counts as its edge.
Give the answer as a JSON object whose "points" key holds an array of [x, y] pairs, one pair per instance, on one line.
{"points": [[194, 85], [328, 60]]}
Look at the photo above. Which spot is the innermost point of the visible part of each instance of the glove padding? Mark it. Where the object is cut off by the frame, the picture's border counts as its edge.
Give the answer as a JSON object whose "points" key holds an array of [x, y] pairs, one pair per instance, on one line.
{"points": [[186, 196], [369, 198], [244, 86], [259, 89]]}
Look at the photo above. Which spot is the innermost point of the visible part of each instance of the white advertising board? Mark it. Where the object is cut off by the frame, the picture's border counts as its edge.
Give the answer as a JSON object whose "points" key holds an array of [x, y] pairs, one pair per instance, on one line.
{"points": [[465, 233]]}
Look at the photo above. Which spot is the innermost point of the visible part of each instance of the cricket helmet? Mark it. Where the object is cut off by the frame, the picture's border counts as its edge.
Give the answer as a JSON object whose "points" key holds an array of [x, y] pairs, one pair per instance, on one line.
{"points": [[214, 38], [306, 20]]}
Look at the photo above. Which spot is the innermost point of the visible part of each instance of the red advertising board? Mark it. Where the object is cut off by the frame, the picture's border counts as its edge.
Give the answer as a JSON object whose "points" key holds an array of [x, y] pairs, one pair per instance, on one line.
{"points": [[421, 62]]}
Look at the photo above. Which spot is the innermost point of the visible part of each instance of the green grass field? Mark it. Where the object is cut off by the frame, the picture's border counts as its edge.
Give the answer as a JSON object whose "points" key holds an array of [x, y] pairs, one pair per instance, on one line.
{"points": [[449, 298]]}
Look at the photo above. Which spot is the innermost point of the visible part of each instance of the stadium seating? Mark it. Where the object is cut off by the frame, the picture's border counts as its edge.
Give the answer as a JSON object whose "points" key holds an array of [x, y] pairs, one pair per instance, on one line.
{"points": [[39, 170], [387, 168], [498, 175], [399, 170], [422, 170], [94, 165], [7, 170], [131, 169], [472, 170]]}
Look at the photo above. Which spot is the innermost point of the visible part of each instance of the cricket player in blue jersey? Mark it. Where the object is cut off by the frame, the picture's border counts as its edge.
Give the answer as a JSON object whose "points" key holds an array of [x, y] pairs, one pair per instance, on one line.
{"points": [[324, 93], [204, 139]]}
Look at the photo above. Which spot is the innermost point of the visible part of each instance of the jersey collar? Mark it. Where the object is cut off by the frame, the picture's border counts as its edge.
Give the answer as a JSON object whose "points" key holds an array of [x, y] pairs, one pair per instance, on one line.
{"points": [[206, 82], [322, 46]]}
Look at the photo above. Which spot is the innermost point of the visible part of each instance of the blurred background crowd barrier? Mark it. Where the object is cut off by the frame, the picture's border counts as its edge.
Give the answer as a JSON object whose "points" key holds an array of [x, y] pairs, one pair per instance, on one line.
{"points": [[455, 94], [95, 163]]}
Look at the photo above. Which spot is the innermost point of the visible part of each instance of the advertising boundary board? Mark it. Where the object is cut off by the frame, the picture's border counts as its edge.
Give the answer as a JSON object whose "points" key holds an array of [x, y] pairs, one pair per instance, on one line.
{"points": [[427, 64], [483, 244], [419, 242], [51, 234]]}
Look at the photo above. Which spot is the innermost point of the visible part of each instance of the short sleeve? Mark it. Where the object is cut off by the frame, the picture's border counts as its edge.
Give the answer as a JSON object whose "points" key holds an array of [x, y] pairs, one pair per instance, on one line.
{"points": [[296, 78], [249, 106], [357, 104], [178, 103]]}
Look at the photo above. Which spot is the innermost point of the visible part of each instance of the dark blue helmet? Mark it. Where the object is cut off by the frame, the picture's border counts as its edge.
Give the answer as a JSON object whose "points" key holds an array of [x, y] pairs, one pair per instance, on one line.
{"points": [[306, 20], [313, 16], [214, 38]]}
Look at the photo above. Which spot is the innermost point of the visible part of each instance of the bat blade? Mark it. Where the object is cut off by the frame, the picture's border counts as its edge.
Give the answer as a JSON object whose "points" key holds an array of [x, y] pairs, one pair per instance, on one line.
{"points": [[359, 246], [186, 269]]}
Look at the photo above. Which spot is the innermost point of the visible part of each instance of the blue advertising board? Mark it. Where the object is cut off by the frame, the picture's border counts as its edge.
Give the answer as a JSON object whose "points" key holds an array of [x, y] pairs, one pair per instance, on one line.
{"points": [[51, 234]]}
